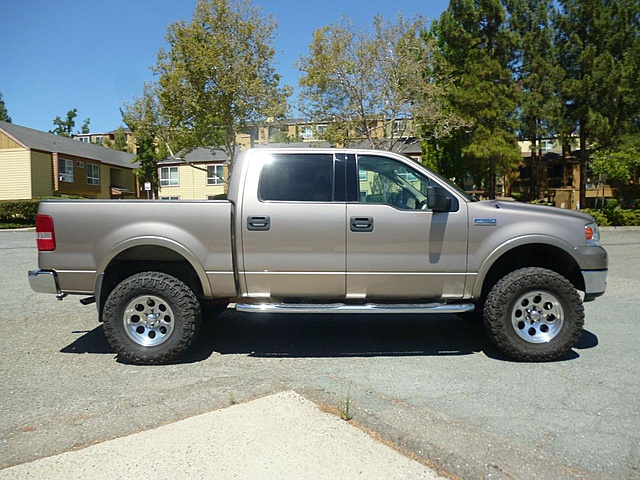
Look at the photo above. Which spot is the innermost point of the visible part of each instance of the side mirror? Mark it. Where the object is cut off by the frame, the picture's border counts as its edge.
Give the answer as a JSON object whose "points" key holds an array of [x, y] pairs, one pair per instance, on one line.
{"points": [[437, 199]]}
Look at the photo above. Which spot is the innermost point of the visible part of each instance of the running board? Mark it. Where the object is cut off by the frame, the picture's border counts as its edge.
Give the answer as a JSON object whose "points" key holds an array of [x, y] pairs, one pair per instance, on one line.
{"points": [[344, 308]]}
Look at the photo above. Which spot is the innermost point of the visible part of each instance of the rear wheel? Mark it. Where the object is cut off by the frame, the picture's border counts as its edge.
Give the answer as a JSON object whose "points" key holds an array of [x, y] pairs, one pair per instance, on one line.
{"points": [[534, 314], [151, 318]]}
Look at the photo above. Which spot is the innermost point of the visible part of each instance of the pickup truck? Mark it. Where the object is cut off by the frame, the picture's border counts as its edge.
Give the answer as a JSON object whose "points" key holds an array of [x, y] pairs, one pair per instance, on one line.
{"points": [[323, 231]]}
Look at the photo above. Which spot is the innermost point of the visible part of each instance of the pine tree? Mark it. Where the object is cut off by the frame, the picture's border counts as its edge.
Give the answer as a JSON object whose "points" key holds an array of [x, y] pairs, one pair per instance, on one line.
{"points": [[474, 40], [600, 56], [537, 72], [4, 115]]}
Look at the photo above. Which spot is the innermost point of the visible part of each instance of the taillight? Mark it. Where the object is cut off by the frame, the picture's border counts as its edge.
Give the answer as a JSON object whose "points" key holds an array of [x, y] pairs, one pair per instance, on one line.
{"points": [[46, 236]]}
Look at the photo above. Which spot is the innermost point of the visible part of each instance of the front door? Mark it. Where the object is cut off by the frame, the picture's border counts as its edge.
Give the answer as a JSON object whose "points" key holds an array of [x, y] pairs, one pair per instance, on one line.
{"points": [[396, 247]]}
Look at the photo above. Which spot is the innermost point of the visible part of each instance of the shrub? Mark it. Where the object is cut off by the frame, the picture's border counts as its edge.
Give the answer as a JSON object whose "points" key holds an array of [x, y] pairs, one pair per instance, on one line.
{"points": [[601, 218], [13, 210], [616, 217]]}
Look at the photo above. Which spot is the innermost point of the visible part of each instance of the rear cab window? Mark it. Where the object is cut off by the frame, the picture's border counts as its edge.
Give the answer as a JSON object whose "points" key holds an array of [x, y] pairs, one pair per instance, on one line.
{"points": [[297, 178]]}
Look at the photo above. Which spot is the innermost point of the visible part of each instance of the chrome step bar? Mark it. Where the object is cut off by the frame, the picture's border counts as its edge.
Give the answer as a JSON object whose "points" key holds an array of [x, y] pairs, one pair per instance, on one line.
{"points": [[344, 308]]}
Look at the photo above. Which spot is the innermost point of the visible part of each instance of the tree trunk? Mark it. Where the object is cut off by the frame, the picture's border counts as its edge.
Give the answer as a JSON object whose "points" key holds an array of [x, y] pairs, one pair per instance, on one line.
{"points": [[583, 165]]}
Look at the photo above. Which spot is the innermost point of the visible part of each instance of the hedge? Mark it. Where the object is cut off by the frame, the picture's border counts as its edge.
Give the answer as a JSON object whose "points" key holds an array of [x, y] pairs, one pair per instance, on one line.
{"points": [[16, 210]]}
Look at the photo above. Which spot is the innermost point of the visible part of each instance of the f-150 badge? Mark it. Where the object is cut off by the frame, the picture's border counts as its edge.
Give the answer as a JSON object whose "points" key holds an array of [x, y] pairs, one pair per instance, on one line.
{"points": [[485, 222]]}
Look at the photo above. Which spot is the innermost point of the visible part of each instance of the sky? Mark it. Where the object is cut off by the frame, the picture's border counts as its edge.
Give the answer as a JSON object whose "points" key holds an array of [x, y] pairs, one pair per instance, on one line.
{"points": [[95, 56]]}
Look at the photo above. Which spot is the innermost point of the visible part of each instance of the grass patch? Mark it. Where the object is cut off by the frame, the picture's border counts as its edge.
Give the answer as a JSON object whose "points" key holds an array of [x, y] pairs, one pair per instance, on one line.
{"points": [[16, 223]]}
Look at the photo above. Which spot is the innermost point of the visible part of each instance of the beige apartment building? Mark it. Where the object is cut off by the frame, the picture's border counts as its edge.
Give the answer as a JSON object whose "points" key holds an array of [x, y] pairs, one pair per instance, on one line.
{"points": [[35, 164]]}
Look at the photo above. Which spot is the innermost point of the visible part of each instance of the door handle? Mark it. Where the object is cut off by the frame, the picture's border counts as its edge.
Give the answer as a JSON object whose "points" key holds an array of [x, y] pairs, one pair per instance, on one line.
{"points": [[258, 223], [361, 224]]}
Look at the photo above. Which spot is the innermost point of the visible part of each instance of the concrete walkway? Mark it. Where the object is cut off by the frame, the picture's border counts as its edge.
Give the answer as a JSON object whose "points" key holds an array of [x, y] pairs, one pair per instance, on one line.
{"points": [[282, 436]]}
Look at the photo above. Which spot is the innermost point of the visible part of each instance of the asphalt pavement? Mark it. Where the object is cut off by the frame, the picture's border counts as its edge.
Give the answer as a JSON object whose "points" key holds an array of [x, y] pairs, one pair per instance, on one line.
{"points": [[433, 388]]}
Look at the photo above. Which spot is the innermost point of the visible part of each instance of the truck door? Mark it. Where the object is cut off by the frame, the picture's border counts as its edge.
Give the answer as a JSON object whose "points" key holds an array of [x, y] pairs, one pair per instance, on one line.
{"points": [[396, 246], [293, 226]]}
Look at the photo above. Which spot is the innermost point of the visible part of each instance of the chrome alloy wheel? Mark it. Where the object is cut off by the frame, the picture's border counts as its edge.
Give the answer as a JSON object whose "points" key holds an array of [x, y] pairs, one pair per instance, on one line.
{"points": [[148, 320], [537, 316]]}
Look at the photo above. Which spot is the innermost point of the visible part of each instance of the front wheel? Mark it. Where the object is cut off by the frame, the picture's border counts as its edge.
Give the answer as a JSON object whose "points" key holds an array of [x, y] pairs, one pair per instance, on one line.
{"points": [[151, 318], [534, 314]]}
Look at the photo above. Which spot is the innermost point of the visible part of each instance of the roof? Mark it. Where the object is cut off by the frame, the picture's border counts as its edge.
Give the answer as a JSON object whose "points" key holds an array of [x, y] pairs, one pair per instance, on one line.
{"points": [[198, 155], [47, 142]]}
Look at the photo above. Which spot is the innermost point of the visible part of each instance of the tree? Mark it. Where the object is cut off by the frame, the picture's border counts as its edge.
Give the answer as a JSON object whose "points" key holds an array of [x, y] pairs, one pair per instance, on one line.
{"points": [[85, 126], [148, 126], [65, 127], [370, 82], [599, 48], [4, 115], [119, 141], [537, 73], [217, 75], [475, 42]]}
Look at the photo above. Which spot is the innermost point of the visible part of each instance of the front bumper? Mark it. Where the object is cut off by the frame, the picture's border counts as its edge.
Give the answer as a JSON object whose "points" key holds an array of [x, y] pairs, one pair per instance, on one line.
{"points": [[44, 281], [595, 283]]}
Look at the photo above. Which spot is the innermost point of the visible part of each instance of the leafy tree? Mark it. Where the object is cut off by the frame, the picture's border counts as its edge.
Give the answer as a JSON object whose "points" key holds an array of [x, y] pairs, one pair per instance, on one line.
{"points": [[85, 126], [119, 141], [145, 119], [475, 42], [65, 127], [369, 82], [4, 115], [619, 162], [217, 75]]}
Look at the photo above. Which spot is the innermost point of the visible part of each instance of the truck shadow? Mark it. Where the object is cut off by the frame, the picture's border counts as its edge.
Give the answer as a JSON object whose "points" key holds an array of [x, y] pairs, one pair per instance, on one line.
{"points": [[334, 335]]}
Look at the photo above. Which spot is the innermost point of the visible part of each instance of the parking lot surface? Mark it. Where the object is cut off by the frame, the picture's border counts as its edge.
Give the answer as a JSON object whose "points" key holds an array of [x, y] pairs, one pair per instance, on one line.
{"points": [[432, 385]]}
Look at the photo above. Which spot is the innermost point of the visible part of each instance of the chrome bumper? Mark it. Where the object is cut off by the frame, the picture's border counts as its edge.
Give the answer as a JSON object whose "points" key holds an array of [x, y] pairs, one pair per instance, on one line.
{"points": [[595, 283], [44, 281]]}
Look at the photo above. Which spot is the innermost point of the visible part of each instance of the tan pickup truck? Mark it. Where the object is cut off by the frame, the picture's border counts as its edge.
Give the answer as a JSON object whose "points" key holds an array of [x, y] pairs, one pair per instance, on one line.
{"points": [[323, 231]]}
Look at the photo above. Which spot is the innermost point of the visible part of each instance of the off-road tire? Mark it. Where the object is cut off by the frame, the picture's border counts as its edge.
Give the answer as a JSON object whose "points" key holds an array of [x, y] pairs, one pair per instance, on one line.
{"points": [[151, 318], [534, 314]]}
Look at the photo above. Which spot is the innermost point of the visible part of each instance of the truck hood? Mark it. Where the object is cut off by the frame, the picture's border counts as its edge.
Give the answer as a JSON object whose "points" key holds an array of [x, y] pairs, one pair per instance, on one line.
{"points": [[525, 208]]}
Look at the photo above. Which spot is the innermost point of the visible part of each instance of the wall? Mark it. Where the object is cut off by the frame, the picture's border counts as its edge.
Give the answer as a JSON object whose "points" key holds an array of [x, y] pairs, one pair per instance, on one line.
{"points": [[15, 174], [41, 174]]}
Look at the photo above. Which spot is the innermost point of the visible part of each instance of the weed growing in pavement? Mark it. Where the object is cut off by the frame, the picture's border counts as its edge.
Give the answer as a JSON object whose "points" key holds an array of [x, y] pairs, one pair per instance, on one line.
{"points": [[344, 405]]}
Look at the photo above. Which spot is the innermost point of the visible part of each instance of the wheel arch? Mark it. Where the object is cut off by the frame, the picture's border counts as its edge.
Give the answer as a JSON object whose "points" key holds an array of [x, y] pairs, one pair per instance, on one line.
{"points": [[149, 254], [530, 253]]}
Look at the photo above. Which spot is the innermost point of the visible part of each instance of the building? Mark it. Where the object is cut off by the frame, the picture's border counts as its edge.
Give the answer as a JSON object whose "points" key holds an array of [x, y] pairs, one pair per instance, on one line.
{"points": [[107, 137], [35, 164], [196, 175]]}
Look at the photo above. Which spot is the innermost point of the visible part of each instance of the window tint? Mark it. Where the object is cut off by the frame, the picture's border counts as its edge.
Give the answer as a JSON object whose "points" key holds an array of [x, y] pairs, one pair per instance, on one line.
{"points": [[387, 181], [297, 178]]}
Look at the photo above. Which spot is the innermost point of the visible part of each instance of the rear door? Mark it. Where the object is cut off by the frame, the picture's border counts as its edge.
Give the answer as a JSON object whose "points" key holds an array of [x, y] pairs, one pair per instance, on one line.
{"points": [[293, 226]]}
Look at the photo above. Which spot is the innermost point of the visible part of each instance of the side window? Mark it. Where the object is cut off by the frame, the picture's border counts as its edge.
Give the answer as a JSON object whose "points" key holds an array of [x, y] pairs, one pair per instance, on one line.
{"points": [[387, 181], [297, 178]]}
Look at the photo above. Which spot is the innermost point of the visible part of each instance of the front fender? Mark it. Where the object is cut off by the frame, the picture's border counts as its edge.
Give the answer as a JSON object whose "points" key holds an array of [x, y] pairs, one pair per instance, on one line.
{"points": [[522, 241]]}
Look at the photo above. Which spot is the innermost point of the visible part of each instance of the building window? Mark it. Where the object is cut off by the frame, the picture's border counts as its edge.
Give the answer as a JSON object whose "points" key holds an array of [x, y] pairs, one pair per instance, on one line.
{"points": [[215, 174], [98, 139], [169, 177], [306, 133], [93, 174], [65, 170], [546, 145], [83, 139]]}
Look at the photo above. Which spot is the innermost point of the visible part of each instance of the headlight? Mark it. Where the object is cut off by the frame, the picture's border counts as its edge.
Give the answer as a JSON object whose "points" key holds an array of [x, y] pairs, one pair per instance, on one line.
{"points": [[591, 234]]}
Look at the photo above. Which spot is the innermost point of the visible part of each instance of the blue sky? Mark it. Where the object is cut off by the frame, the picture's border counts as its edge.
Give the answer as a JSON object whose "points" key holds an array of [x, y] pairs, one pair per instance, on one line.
{"points": [[95, 55]]}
